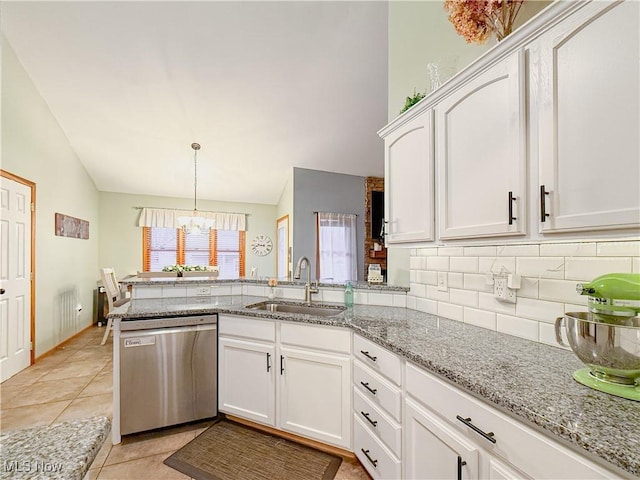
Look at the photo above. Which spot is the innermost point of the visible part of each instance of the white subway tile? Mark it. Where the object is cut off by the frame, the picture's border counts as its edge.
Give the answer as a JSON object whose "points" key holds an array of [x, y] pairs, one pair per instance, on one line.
{"points": [[543, 267], [480, 318], [412, 276], [571, 307], [518, 327], [245, 289], [427, 277], [434, 294], [415, 263], [174, 292], [560, 291], [400, 300], [451, 251], [568, 249], [418, 290], [411, 302], [216, 290], [518, 250], [496, 264], [487, 301], [478, 282], [540, 310], [635, 268], [455, 280], [147, 292], [236, 290], [332, 295], [360, 298], [257, 290], [480, 251], [467, 298], [619, 249], [547, 335], [413, 252], [294, 293], [427, 306], [382, 299], [452, 312], [440, 264], [428, 252], [528, 288], [463, 264], [586, 269]]}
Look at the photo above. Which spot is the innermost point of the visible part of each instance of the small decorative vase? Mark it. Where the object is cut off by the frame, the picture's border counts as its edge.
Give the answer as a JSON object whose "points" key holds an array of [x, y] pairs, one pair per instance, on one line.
{"points": [[272, 293]]}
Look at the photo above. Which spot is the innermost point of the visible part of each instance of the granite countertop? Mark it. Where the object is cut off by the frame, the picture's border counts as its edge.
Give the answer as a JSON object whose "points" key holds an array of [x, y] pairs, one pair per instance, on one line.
{"points": [[530, 381], [62, 451]]}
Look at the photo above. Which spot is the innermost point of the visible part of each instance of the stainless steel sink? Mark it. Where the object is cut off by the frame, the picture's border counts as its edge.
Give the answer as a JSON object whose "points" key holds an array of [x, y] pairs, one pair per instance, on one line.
{"points": [[318, 310]]}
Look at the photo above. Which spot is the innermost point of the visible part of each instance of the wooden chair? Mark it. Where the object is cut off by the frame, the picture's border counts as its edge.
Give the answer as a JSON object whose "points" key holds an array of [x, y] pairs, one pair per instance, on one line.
{"points": [[114, 295]]}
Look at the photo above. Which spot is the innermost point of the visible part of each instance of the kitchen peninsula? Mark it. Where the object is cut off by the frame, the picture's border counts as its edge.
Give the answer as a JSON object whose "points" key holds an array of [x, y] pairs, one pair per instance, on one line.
{"points": [[517, 379]]}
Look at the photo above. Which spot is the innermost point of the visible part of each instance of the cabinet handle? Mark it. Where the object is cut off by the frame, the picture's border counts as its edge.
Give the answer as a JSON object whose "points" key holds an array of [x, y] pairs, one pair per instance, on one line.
{"points": [[511, 200], [543, 204], [281, 364], [268, 362], [370, 357], [366, 385], [372, 422], [461, 463], [467, 421], [366, 454]]}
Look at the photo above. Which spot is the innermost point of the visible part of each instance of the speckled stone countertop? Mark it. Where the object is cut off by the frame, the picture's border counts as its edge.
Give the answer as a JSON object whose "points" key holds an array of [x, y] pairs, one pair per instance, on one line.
{"points": [[530, 381], [62, 451]]}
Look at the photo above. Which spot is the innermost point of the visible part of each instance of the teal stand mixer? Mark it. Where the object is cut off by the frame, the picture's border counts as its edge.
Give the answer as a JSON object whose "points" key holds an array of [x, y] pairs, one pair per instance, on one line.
{"points": [[607, 337]]}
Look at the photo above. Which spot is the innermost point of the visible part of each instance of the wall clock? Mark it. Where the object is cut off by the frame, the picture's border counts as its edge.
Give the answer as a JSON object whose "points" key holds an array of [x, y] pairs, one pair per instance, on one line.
{"points": [[261, 245]]}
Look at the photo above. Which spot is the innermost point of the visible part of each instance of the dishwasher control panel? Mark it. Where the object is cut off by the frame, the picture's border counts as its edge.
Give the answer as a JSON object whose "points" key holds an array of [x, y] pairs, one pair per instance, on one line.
{"points": [[167, 322]]}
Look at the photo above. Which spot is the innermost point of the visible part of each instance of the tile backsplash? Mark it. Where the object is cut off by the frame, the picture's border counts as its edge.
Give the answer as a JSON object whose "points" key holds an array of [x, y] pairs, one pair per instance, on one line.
{"points": [[549, 274]]}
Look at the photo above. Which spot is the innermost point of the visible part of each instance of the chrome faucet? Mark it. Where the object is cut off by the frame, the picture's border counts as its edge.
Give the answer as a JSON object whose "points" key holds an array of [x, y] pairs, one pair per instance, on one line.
{"points": [[308, 289]]}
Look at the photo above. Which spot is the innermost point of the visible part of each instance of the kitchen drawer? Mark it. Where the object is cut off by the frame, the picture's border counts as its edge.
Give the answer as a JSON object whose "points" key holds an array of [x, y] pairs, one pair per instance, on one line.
{"points": [[247, 327], [315, 336], [378, 422], [376, 458], [378, 359], [535, 454], [377, 389]]}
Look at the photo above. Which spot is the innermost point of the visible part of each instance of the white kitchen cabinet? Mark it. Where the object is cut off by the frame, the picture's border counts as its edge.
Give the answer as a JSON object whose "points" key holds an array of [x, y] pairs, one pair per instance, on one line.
{"points": [[247, 379], [481, 154], [292, 376], [409, 171], [588, 119], [314, 390], [433, 450]]}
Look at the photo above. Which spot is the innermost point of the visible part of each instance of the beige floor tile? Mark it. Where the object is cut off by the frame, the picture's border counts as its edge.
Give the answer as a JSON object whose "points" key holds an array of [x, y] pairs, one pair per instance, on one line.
{"points": [[32, 416], [102, 455], [70, 370], [92, 474], [352, 470], [150, 468], [139, 446], [46, 392], [88, 407], [9, 392], [98, 354], [100, 385], [28, 376]]}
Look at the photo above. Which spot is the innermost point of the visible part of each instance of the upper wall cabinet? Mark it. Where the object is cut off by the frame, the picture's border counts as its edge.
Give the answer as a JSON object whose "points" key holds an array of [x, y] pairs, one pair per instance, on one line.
{"points": [[481, 154], [588, 113], [408, 177]]}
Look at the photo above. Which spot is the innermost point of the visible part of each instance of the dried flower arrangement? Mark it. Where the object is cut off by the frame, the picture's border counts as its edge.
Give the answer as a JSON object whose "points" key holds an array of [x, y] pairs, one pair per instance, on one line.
{"points": [[476, 20]]}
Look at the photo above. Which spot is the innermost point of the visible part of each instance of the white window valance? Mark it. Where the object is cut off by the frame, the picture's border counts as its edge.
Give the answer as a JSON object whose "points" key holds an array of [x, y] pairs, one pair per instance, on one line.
{"points": [[168, 218]]}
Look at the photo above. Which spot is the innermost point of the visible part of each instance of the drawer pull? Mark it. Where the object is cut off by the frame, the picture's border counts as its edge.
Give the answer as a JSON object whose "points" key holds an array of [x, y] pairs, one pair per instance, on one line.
{"points": [[370, 357], [268, 362], [366, 454], [511, 200], [366, 385], [467, 421], [461, 463], [372, 422], [281, 364]]}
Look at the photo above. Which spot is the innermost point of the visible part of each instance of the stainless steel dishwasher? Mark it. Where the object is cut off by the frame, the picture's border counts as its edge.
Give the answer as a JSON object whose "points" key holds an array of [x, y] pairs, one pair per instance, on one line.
{"points": [[168, 371]]}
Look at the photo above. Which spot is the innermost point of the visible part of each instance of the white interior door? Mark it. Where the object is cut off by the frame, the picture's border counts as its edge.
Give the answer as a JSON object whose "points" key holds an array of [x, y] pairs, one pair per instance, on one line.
{"points": [[15, 277]]}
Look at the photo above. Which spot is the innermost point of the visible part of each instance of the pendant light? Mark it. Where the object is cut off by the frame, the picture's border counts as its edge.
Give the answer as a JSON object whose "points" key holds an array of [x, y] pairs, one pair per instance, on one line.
{"points": [[194, 224]]}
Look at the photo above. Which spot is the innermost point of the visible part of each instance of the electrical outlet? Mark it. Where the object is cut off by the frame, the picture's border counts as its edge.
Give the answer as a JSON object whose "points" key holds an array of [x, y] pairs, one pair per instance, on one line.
{"points": [[502, 291], [442, 282], [203, 291]]}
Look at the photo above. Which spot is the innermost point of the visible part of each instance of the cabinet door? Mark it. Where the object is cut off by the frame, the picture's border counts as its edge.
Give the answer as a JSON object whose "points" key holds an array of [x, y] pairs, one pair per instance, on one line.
{"points": [[247, 379], [314, 395], [433, 450], [409, 181], [481, 154], [589, 120], [499, 470]]}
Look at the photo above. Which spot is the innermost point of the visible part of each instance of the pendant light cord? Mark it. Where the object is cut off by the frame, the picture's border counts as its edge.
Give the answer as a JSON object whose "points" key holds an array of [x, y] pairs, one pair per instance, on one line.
{"points": [[196, 147]]}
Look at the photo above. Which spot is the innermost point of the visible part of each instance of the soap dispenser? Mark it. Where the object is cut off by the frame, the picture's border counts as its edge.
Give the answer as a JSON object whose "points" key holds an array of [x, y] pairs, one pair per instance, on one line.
{"points": [[348, 295]]}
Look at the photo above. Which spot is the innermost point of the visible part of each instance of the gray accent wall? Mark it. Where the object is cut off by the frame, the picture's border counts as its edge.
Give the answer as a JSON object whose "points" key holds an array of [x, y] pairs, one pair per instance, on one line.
{"points": [[317, 191]]}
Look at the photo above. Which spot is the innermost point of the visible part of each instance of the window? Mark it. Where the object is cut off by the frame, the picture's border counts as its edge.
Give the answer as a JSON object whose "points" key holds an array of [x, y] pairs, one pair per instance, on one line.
{"points": [[336, 247], [171, 246]]}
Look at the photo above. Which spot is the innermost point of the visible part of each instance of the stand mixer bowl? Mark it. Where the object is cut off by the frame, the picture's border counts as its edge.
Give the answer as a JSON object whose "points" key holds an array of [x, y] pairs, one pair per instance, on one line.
{"points": [[609, 345]]}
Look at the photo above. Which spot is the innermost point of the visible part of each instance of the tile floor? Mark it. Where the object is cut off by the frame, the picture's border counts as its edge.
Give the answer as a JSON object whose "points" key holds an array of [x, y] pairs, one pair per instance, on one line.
{"points": [[75, 381]]}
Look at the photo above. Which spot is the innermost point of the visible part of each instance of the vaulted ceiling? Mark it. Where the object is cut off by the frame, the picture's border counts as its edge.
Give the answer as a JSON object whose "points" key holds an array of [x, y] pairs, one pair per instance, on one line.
{"points": [[262, 86]]}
